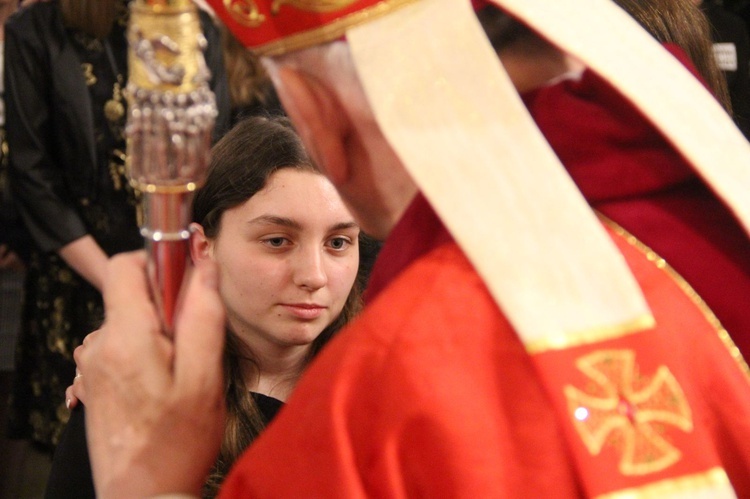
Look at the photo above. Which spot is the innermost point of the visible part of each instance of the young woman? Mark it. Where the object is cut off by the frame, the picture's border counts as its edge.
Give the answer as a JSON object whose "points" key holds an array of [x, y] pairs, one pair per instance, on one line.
{"points": [[287, 251]]}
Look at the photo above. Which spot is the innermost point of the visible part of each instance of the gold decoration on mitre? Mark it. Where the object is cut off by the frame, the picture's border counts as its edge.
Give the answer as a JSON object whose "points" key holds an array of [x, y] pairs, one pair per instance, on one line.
{"points": [[272, 27], [245, 12], [248, 13], [312, 5]]}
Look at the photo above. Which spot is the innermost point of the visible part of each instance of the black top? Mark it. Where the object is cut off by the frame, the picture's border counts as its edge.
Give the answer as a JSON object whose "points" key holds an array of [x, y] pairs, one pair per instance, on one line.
{"points": [[268, 406], [70, 476]]}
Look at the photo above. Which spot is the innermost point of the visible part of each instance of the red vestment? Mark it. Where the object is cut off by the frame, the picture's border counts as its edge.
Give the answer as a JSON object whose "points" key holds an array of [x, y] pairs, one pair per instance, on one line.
{"points": [[430, 393], [627, 171]]}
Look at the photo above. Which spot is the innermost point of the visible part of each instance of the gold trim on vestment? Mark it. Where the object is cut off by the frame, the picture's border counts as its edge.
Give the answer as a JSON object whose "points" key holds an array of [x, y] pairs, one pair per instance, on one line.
{"points": [[596, 335], [714, 480], [660, 263], [330, 31], [588, 337]]}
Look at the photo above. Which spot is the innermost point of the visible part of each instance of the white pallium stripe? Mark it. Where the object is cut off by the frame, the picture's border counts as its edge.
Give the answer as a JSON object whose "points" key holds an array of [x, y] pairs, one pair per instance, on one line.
{"points": [[450, 111]]}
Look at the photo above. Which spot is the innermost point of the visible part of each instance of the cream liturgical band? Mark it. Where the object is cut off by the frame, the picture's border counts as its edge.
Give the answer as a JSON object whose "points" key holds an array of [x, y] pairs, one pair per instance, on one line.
{"points": [[453, 116], [712, 484]]}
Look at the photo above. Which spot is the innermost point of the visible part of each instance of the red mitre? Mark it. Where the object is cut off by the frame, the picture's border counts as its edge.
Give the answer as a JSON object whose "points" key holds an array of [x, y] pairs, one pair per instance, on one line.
{"points": [[272, 27]]}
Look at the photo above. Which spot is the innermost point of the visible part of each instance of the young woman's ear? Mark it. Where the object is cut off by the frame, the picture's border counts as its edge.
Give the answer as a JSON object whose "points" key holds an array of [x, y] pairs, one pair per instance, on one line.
{"points": [[200, 245], [316, 116]]}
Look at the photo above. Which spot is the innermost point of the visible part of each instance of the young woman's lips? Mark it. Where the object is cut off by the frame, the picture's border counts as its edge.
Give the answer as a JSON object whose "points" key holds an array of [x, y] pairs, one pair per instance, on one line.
{"points": [[307, 311]]}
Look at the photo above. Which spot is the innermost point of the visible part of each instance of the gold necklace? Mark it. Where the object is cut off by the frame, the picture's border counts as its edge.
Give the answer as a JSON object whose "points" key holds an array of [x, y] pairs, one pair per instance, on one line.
{"points": [[114, 110]]}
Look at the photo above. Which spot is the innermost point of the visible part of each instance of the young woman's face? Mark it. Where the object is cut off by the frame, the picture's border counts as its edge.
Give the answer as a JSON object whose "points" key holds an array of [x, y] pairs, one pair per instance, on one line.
{"points": [[287, 258]]}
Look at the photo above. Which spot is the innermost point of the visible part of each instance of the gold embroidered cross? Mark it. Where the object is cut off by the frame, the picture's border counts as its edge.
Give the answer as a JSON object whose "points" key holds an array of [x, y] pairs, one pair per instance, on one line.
{"points": [[628, 411]]}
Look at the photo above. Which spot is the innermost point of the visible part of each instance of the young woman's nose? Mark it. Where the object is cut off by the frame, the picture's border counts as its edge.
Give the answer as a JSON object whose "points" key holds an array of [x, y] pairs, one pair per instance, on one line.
{"points": [[309, 269]]}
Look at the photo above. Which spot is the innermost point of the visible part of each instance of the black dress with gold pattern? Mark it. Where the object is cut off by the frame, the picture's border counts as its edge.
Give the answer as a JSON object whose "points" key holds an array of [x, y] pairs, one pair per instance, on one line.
{"points": [[61, 306], [67, 113]]}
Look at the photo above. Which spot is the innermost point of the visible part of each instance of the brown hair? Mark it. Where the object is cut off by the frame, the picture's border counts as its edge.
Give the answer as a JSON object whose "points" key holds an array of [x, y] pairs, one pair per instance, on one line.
{"points": [[94, 17], [683, 23], [241, 164], [248, 81]]}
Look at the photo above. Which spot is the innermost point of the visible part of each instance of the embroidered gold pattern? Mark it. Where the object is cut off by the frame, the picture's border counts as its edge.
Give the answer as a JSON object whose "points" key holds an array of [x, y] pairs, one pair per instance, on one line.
{"points": [[329, 31], [88, 73], [245, 12], [312, 5], [686, 288], [116, 171], [628, 411]]}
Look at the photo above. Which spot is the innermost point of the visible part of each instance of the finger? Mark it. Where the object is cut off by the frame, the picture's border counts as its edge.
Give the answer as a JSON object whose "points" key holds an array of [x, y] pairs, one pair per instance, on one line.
{"points": [[89, 340], [199, 334], [130, 338], [71, 400], [128, 305], [126, 285], [78, 390]]}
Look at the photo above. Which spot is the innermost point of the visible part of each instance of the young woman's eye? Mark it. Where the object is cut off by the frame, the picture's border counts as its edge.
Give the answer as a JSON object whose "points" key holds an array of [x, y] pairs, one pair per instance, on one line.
{"points": [[339, 243], [276, 242]]}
